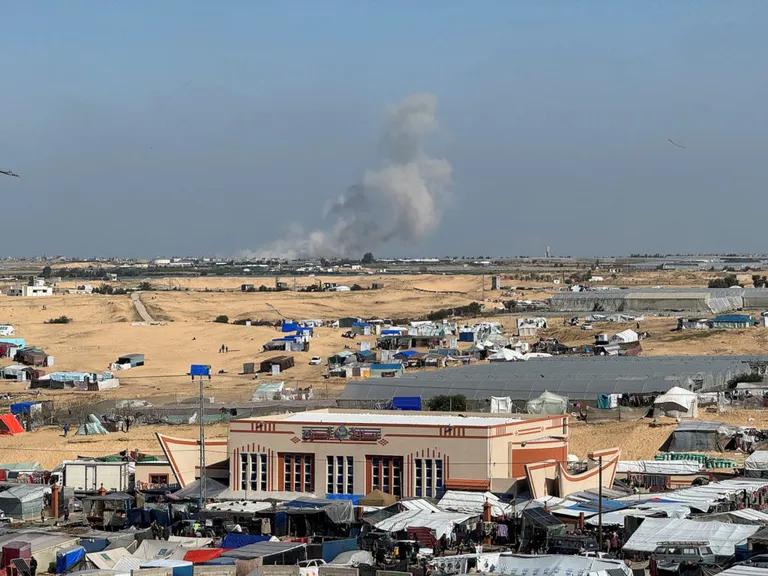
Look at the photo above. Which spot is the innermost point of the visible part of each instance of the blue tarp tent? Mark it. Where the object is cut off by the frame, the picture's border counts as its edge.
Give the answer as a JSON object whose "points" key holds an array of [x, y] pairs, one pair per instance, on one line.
{"points": [[234, 540], [403, 354], [68, 559], [354, 498], [290, 327], [406, 403], [22, 407]]}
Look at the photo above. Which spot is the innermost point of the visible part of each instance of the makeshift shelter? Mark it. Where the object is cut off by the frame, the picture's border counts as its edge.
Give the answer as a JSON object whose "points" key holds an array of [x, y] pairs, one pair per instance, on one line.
{"points": [[441, 523], [192, 490], [69, 559], [538, 525], [91, 427], [22, 502], [678, 402], [756, 466], [268, 553], [547, 403], [474, 502], [501, 405], [559, 564], [377, 498], [10, 425], [698, 436], [723, 538]]}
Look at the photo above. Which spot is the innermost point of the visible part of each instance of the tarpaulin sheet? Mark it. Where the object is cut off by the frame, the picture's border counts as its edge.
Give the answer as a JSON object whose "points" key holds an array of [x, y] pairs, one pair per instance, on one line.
{"points": [[337, 511], [69, 558], [722, 537], [660, 466], [234, 540], [199, 555], [406, 402], [556, 564], [10, 425], [106, 559], [332, 548], [441, 522]]}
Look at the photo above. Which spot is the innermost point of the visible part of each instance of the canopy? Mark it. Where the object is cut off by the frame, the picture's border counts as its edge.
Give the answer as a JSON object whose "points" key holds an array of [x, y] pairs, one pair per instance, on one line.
{"points": [[442, 523], [723, 538], [557, 564], [377, 498], [337, 511], [473, 502], [106, 559], [660, 466], [200, 555], [547, 403]]}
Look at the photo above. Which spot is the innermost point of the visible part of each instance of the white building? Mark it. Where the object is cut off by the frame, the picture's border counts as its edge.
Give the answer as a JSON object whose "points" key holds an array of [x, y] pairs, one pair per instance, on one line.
{"points": [[37, 288]]}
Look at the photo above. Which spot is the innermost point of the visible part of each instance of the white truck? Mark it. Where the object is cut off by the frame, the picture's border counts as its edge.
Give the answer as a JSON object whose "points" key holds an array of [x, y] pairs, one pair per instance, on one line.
{"points": [[90, 476]]}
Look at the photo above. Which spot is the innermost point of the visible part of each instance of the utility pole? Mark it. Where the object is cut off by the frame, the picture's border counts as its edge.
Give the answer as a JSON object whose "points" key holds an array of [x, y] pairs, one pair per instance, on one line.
{"points": [[202, 371], [600, 503]]}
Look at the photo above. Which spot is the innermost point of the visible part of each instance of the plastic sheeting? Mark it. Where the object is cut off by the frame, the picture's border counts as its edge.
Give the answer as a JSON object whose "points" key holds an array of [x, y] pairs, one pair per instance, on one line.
{"points": [[556, 564], [106, 559], [758, 460], [547, 403], [67, 559], [472, 503], [92, 427], [660, 466], [501, 405], [234, 540], [723, 538], [441, 522], [678, 399]]}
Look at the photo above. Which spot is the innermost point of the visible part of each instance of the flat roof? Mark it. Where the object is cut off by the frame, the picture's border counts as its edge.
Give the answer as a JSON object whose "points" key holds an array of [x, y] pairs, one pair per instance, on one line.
{"points": [[582, 377], [407, 418]]}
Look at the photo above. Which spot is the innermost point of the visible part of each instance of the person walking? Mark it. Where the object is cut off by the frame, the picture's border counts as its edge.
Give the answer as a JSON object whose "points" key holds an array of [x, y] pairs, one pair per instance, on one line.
{"points": [[66, 429]]}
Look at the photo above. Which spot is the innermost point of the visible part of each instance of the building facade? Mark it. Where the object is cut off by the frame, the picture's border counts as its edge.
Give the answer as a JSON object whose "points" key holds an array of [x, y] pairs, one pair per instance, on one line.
{"points": [[406, 454]]}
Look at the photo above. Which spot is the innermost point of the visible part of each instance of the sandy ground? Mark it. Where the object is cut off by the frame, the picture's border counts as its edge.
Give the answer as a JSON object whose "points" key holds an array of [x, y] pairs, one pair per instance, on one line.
{"points": [[105, 327], [48, 446], [641, 441]]}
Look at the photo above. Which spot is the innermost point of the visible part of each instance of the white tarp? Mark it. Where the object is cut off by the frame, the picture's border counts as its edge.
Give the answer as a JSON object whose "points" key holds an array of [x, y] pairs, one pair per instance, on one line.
{"points": [[159, 550], [106, 559], [441, 522], [659, 466], [558, 564], [702, 498], [472, 503], [547, 403], [678, 399], [625, 337], [501, 404], [723, 538], [757, 461]]}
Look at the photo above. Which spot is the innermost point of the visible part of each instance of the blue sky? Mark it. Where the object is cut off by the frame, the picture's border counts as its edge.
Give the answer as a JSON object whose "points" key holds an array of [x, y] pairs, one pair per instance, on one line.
{"points": [[157, 128]]}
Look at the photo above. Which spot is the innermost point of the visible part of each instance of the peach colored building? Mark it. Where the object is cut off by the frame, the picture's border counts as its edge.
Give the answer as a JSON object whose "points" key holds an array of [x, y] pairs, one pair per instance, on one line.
{"points": [[402, 453]]}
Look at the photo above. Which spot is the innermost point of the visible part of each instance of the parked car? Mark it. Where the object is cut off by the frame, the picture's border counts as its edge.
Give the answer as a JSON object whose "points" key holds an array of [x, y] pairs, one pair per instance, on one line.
{"points": [[315, 361], [758, 561], [669, 556]]}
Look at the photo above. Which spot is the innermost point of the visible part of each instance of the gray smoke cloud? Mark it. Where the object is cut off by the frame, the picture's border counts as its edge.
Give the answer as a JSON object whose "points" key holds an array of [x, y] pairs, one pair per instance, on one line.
{"points": [[401, 200]]}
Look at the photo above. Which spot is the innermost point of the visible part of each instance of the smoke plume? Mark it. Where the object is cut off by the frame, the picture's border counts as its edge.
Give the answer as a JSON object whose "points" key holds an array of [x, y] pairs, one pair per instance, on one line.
{"points": [[399, 201]]}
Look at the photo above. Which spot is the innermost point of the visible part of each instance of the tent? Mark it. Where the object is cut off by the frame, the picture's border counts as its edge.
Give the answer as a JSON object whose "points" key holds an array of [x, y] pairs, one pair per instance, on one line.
{"points": [[698, 436], [756, 466], [10, 425], [442, 523], [22, 502], [192, 490], [377, 498], [92, 427], [547, 403], [558, 564], [69, 558], [200, 555], [473, 503], [678, 402], [723, 538], [501, 405], [337, 511]]}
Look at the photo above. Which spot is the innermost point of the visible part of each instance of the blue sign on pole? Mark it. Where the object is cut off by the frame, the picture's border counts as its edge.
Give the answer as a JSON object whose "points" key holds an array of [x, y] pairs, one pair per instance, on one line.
{"points": [[200, 370]]}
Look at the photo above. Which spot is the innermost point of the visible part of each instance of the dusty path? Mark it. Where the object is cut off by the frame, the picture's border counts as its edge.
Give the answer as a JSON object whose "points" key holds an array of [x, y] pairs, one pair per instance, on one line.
{"points": [[140, 308]]}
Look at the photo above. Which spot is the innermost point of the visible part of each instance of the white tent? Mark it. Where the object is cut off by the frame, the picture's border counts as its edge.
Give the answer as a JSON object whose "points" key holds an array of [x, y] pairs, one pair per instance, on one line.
{"points": [[441, 522], [756, 466], [557, 565], [505, 355], [625, 337], [547, 403], [473, 502], [501, 404], [723, 538], [678, 402]]}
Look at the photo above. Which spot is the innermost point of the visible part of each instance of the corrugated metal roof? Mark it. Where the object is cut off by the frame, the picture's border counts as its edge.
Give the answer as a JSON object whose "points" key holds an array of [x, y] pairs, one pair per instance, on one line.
{"points": [[571, 376]]}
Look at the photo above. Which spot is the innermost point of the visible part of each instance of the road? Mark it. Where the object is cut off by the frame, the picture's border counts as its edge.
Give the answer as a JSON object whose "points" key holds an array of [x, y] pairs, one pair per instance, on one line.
{"points": [[140, 308]]}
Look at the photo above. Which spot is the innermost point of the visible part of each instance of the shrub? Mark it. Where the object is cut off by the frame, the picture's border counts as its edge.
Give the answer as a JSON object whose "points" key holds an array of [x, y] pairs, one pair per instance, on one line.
{"points": [[59, 320], [745, 377], [145, 286], [445, 403], [222, 319]]}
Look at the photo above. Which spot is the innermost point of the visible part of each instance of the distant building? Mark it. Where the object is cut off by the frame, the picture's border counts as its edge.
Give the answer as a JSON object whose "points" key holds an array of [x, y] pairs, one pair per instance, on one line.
{"points": [[732, 321]]}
